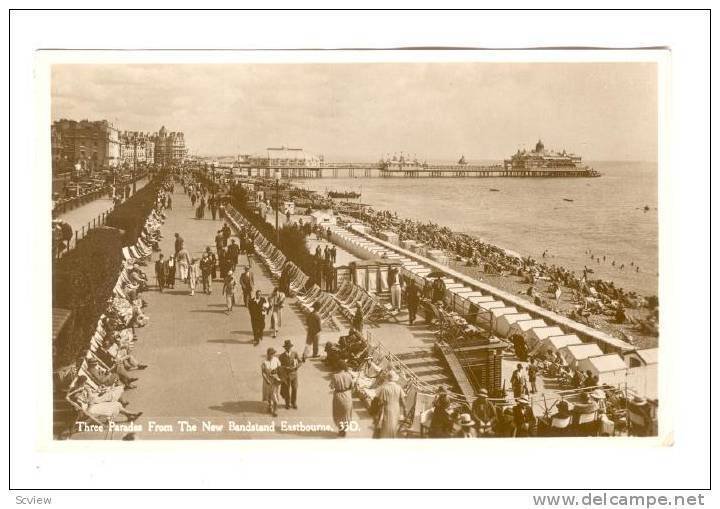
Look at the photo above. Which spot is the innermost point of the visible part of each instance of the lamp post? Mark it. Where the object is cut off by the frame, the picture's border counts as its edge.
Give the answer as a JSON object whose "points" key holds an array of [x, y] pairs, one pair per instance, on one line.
{"points": [[278, 175]]}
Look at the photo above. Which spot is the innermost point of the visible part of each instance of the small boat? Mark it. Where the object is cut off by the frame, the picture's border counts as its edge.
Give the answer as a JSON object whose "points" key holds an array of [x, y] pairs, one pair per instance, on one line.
{"points": [[646, 208], [568, 199], [493, 189]]}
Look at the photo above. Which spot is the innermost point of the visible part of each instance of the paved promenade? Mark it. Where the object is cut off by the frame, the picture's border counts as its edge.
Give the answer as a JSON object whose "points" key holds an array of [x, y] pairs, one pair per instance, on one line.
{"points": [[81, 216], [203, 365]]}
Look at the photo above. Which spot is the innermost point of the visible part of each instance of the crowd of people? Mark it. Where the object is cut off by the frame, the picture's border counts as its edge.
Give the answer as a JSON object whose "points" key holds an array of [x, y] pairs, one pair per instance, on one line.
{"points": [[106, 371], [603, 296]]}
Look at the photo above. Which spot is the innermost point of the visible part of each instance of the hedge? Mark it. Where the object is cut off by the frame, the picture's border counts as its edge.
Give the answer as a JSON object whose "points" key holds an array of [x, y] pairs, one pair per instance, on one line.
{"points": [[83, 280], [130, 215]]}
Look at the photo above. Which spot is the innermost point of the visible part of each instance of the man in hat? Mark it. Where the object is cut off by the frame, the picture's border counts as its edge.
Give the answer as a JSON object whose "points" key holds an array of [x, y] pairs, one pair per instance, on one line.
{"points": [[258, 307], [247, 284], [160, 272], [213, 262], [412, 296], [229, 291], [206, 272], [524, 418], [467, 426], [484, 413], [314, 327], [233, 252], [289, 364], [532, 375], [518, 381]]}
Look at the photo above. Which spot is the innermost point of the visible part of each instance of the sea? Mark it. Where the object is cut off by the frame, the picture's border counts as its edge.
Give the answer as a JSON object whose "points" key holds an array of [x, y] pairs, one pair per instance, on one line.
{"points": [[607, 216]]}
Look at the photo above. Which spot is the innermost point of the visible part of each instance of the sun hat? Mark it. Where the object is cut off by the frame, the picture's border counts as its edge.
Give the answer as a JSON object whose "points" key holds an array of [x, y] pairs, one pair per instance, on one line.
{"points": [[466, 420], [598, 394], [271, 350], [483, 393]]}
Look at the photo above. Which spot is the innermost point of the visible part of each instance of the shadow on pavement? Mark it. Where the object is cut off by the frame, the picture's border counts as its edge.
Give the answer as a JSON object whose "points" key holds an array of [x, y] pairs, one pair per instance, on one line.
{"points": [[230, 341], [240, 407], [216, 311]]}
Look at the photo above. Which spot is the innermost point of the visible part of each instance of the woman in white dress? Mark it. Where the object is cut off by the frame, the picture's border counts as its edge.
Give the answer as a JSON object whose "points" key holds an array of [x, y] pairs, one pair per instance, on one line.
{"points": [[271, 381]]}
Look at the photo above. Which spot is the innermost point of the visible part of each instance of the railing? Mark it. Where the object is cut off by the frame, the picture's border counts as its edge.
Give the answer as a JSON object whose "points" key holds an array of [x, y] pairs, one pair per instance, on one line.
{"points": [[66, 205], [61, 247]]}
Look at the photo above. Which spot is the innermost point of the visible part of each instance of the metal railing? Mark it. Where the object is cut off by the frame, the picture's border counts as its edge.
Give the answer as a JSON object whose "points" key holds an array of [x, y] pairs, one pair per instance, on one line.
{"points": [[62, 247]]}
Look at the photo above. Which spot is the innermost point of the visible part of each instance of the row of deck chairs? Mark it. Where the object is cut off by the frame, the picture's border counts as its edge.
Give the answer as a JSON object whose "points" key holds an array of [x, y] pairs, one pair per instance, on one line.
{"points": [[350, 295], [275, 261], [122, 312]]}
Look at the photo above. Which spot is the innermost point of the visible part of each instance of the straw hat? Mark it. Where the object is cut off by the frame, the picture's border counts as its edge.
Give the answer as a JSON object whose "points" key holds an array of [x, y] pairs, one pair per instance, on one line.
{"points": [[271, 350], [638, 400], [598, 394], [522, 400], [483, 393], [465, 420]]}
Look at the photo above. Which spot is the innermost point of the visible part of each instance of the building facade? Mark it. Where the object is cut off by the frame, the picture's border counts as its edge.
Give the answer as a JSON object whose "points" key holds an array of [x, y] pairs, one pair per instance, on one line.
{"points": [[93, 145], [169, 147], [136, 148]]}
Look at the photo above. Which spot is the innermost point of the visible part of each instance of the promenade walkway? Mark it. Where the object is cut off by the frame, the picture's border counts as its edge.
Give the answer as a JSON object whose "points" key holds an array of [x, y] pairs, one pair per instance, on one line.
{"points": [[203, 366], [81, 218]]}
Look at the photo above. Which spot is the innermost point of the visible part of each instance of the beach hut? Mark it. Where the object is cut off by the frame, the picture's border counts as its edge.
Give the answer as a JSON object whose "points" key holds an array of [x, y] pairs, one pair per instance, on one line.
{"points": [[536, 335], [498, 312], [323, 218], [646, 357], [555, 343], [610, 369], [504, 322], [522, 326], [575, 353]]}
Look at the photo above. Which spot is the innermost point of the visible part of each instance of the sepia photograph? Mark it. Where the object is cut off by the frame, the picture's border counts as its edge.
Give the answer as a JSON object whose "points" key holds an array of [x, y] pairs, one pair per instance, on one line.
{"points": [[463, 254], [403, 249]]}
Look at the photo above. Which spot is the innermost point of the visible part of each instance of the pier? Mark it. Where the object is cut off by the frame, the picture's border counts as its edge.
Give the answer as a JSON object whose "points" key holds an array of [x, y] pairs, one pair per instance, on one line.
{"points": [[378, 170]]}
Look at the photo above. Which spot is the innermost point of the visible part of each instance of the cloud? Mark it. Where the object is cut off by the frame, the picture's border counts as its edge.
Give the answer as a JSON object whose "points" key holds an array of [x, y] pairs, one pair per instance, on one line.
{"points": [[482, 110]]}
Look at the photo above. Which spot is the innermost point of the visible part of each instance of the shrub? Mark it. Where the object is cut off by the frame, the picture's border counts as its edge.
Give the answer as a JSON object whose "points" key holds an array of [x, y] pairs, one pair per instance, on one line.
{"points": [[130, 215], [83, 280]]}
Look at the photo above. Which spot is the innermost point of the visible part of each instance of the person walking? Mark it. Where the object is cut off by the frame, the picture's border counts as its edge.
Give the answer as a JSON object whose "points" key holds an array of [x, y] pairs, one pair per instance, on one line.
{"points": [[412, 297], [206, 273], [277, 302], [213, 207], [341, 383], [213, 263], [247, 284], [160, 272], [229, 291], [393, 280], [258, 307], [233, 252], [314, 327], [391, 405], [271, 381], [170, 266], [532, 373], [183, 263], [289, 364], [193, 274], [518, 381], [179, 243]]}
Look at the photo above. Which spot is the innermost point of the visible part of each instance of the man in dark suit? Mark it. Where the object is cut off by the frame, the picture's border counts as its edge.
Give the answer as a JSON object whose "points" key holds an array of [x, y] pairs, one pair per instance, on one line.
{"points": [[160, 272], [412, 296], [314, 327], [233, 252], [289, 364]]}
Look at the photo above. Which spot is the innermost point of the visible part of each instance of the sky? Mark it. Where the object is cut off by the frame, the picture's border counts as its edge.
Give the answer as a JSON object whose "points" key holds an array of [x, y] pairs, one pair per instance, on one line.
{"points": [[359, 112]]}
